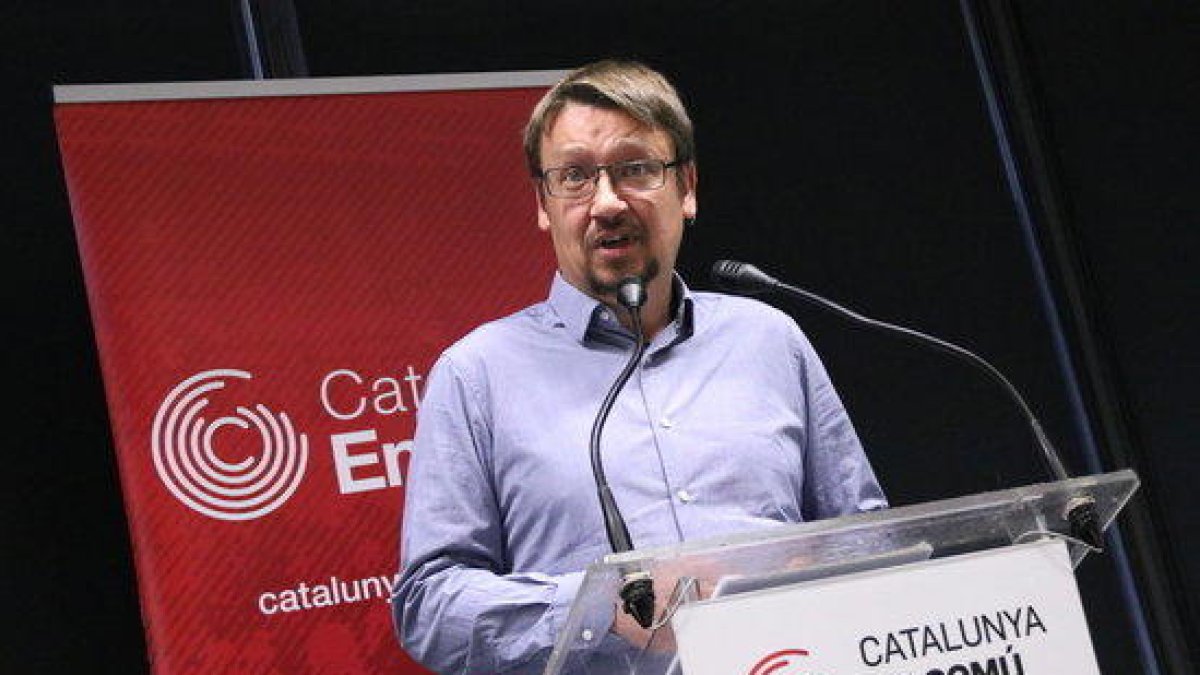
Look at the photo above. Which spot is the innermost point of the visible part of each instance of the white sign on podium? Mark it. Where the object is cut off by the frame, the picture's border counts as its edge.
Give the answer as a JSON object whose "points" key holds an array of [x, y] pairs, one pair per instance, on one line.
{"points": [[1006, 611]]}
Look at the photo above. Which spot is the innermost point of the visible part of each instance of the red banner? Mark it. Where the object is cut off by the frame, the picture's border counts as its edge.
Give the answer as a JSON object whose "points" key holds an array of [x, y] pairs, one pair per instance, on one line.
{"points": [[271, 278]]}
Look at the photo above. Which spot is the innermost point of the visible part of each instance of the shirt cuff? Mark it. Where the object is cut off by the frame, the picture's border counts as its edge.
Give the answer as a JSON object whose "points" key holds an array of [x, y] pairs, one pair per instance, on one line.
{"points": [[597, 618]]}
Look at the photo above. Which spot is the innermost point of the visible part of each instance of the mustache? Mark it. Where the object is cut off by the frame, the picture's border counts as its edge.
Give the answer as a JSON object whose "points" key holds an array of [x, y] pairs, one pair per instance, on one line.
{"points": [[622, 228]]}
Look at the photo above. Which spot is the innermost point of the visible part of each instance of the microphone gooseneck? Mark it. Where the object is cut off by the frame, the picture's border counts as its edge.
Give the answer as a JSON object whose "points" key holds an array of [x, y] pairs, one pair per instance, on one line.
{"points": [[744, 278], [637, 589]]}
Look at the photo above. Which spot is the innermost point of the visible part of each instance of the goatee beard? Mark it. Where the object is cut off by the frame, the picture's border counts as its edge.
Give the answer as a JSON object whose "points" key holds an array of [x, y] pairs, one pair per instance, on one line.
{"points": [[601, 288]]}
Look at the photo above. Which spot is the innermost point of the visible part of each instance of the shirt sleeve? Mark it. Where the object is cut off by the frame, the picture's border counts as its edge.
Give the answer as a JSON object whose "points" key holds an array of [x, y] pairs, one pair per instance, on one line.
{"points": [[458, 607], [838, 478]]}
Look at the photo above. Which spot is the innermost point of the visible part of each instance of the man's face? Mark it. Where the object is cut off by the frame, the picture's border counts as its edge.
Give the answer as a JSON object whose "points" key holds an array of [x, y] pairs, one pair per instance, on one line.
{"points": [[602, 239]]}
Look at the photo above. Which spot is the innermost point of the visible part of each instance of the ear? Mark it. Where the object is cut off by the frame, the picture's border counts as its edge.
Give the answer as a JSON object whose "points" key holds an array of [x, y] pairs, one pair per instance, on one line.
{"points": [[543, 218], [689, 190]]}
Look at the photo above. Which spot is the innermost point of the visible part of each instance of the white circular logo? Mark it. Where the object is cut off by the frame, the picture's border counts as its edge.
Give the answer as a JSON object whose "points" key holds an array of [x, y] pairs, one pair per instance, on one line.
{"points": [[203, 479]]}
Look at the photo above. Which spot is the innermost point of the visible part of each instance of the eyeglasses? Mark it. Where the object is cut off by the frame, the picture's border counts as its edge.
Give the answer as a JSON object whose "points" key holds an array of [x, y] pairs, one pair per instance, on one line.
{"points": [[579, 182]]}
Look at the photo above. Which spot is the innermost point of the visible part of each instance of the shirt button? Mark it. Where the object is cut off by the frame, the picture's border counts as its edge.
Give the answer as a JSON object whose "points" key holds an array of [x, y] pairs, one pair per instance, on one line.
{"points": [[666, 423], [685, 496], [605, 316], [587, 635]]}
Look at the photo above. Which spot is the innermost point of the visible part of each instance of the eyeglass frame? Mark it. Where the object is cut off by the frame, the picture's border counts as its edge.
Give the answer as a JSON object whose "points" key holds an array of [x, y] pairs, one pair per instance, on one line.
{"points": [[540, 175]]}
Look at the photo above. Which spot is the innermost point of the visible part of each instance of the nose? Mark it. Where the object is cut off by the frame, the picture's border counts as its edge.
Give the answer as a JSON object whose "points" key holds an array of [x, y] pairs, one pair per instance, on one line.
{"points": [[606, 203]]}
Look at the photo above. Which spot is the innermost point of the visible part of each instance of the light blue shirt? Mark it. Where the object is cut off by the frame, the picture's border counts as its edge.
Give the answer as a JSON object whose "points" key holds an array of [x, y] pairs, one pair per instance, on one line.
{"points": [[729, 424]]}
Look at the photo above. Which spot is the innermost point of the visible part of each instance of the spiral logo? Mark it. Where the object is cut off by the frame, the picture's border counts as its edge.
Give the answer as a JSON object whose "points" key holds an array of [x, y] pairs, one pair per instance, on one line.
{"points": [[190, 466], [781, 662]]}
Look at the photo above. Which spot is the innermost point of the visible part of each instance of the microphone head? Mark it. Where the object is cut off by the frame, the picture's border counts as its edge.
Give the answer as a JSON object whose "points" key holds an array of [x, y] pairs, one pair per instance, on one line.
{"points": [[632, 293], [740, 277]]}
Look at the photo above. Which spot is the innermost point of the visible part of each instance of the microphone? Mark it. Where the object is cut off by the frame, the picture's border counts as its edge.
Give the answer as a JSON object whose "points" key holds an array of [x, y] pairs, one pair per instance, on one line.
{"points": [[637, 588], [744, 278], [632, 295]]}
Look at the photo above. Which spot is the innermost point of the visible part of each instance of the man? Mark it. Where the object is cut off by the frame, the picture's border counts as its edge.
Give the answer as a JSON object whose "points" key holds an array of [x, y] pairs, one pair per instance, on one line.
{"points": [[730, 422]]}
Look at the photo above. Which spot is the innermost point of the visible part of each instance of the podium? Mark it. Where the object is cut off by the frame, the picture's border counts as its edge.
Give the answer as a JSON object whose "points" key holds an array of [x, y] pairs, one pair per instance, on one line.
{"points": [[804, 579]]}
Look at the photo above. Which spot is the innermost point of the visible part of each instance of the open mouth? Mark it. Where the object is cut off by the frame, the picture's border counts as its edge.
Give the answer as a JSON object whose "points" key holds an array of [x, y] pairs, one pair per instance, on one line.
{"points": [[617, 241]]}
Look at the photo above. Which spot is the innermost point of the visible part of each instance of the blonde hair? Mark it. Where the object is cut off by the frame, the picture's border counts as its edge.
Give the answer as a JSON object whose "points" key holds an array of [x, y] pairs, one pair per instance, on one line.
{"points": [[628, 86]]}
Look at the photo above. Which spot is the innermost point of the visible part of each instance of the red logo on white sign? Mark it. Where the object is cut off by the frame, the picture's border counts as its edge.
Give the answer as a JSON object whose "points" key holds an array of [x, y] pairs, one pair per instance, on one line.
{"points": [[782, 662]]}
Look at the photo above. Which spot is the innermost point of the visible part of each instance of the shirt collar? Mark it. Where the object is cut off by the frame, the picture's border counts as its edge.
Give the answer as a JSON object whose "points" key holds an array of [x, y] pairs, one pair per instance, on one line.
{"points": [[583, 315]]}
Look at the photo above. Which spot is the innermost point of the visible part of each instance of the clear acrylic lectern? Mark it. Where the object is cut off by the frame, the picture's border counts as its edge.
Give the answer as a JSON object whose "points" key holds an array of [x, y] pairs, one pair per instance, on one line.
{"points": [[940, 529]]}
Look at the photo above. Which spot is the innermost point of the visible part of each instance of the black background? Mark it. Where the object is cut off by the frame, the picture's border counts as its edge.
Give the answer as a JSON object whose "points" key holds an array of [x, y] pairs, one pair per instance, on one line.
{"points": [[842, 145]]}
